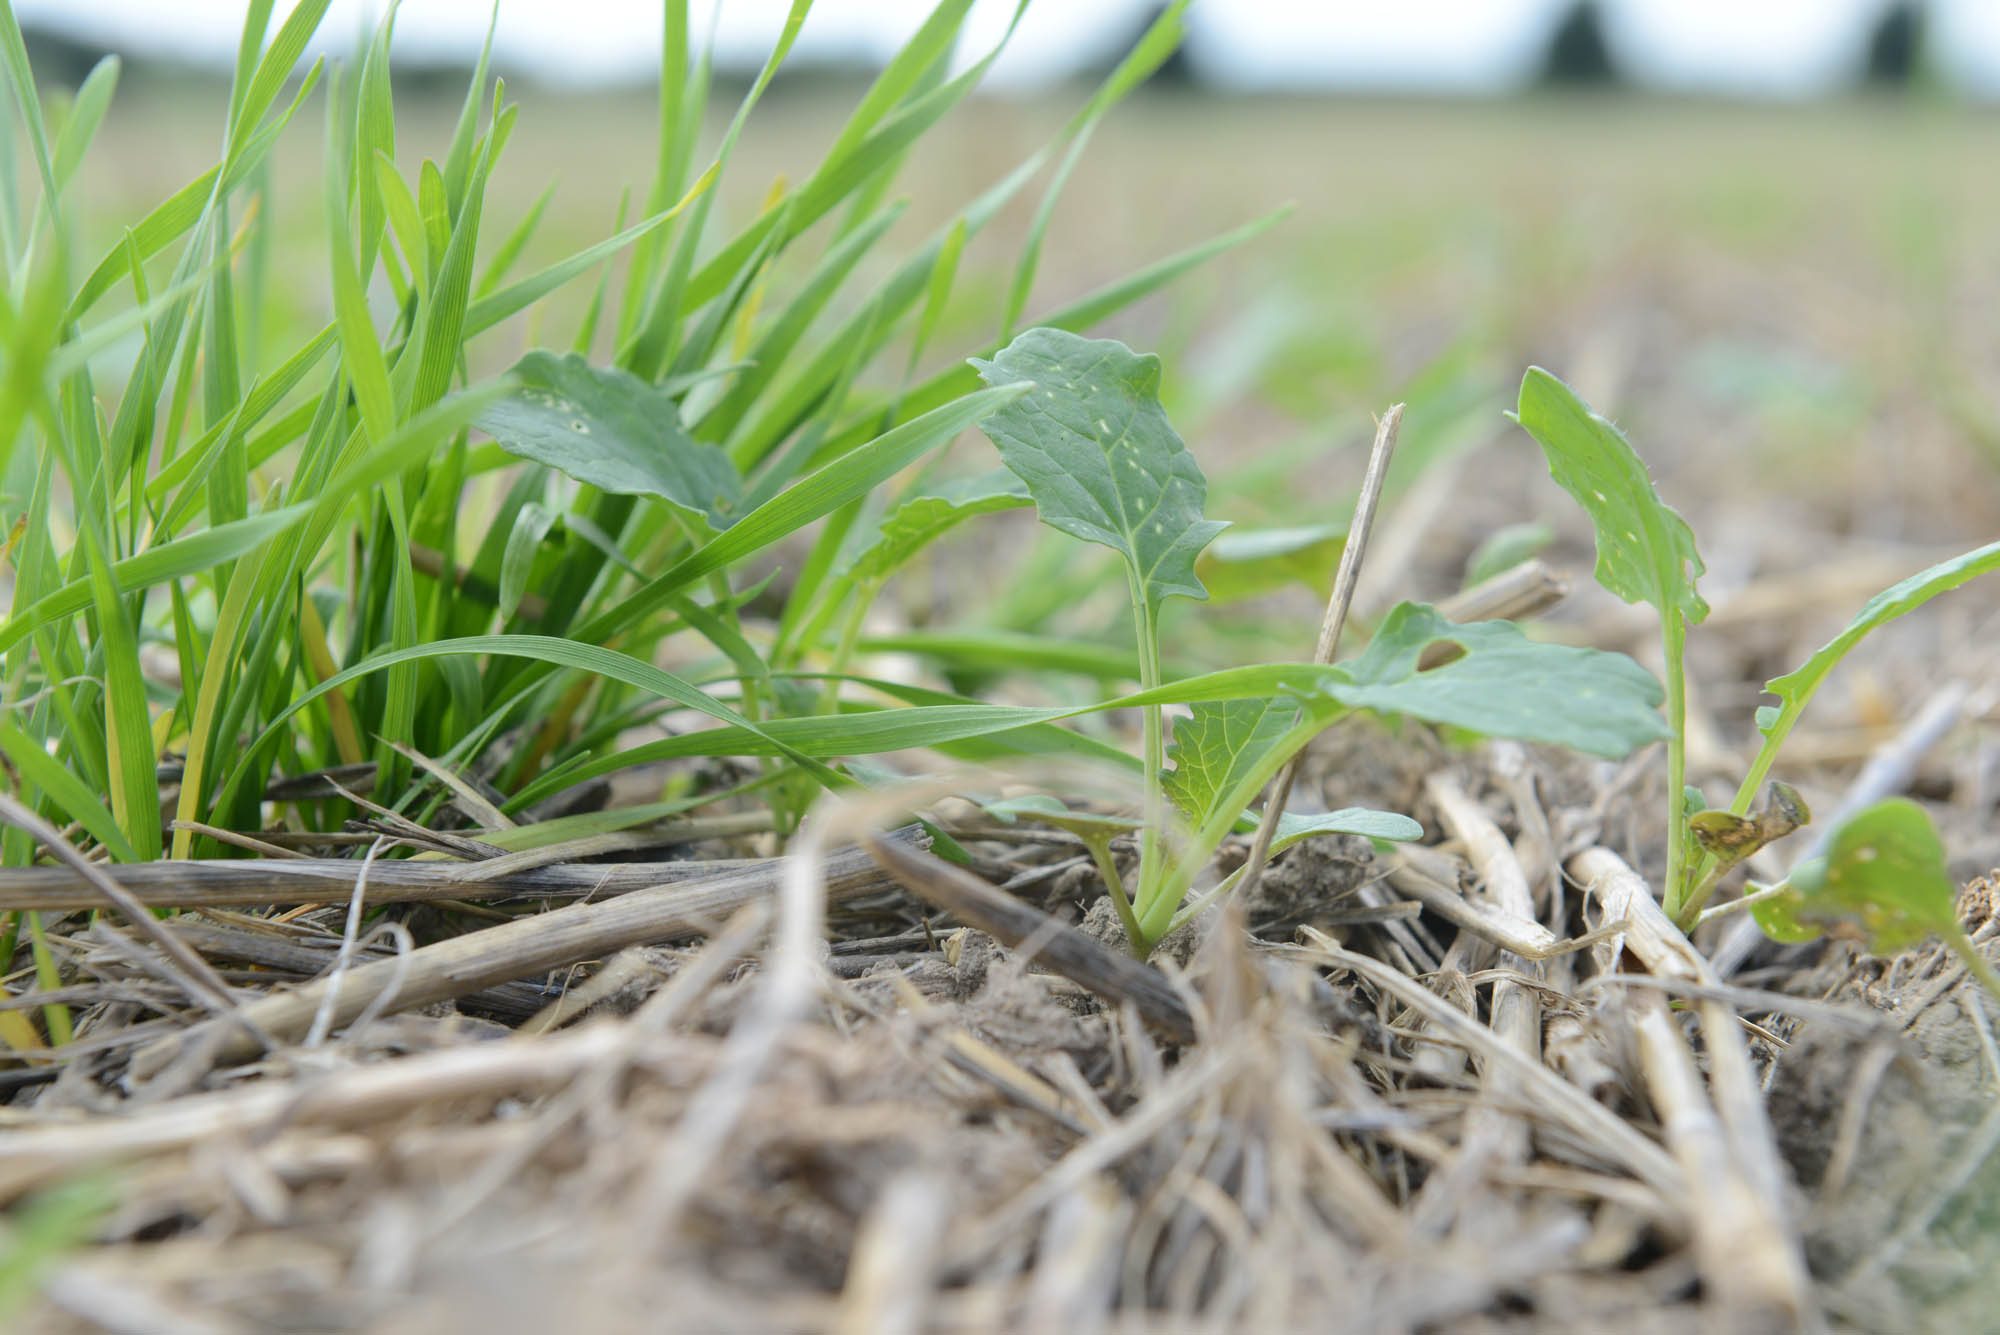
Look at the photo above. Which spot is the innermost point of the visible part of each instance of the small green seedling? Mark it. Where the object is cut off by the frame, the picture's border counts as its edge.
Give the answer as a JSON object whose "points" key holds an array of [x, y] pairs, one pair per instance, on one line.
{"points": [[1101, 462], [1646, 553], [1882, 880]]}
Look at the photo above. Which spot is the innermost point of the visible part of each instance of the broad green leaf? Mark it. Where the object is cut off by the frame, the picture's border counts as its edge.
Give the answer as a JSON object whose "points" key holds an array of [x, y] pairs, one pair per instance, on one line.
{"points": [[1099, 457], [918, 521], [1218, 747], [1645, 551], [1782, 918], [1295, 826], [1505, 685], [1883, 872], [1249, 563], [612, 430]]}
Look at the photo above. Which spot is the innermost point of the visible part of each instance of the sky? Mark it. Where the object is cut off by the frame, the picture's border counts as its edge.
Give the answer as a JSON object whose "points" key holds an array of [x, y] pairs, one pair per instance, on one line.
{"points": [[1756, 48]]}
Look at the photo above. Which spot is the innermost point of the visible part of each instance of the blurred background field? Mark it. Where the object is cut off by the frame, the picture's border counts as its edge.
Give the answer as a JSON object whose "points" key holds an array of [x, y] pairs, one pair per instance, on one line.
{"points": [[1789, 279]]}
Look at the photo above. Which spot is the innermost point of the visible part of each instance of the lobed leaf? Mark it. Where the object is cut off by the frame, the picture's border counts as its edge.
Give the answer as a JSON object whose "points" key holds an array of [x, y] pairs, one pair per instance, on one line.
{"points": [[1505, 684], [1220, 745], [1645, 550], [917, 521], [1099, 457]]}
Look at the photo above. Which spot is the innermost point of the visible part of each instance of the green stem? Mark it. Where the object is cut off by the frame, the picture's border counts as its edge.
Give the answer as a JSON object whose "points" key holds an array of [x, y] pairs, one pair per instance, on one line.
{"points": [[1673, 636], [1706, 871], [1707, 875], [1151, 870], [1968, 955], [850, 635], [1756, 894], [1107, 867], [1194, 909]]}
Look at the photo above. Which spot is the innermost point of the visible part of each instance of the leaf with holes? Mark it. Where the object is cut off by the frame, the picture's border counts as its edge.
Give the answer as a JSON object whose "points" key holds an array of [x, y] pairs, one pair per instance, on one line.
{"points": [[614, 431], [1099, 457], [1883, 875], [1503, 684]]}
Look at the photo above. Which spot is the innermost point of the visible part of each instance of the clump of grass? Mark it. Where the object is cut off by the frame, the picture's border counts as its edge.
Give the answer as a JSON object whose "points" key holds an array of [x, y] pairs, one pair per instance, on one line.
{"points": [[240, 560]]}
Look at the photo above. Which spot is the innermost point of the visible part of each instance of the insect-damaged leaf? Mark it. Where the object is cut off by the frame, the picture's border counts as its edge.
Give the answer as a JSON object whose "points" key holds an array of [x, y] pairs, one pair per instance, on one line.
{"points": [[1504, 685], [1099, 457], [917, 521], [1883, 872], [612, 430], [1645, 551]]}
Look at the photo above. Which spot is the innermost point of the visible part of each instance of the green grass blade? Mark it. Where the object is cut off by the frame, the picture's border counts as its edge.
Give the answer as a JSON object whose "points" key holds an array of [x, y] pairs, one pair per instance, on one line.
{"points": [[273, 69], [129, 758], [360, 348], [510, 247], [71, 795], [490, 310], [1076, 317], [653, 341], [21, 82], [569, 654], [458, 156], [774, 346], [86, 114], [839, 482], [1031, 246]]}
